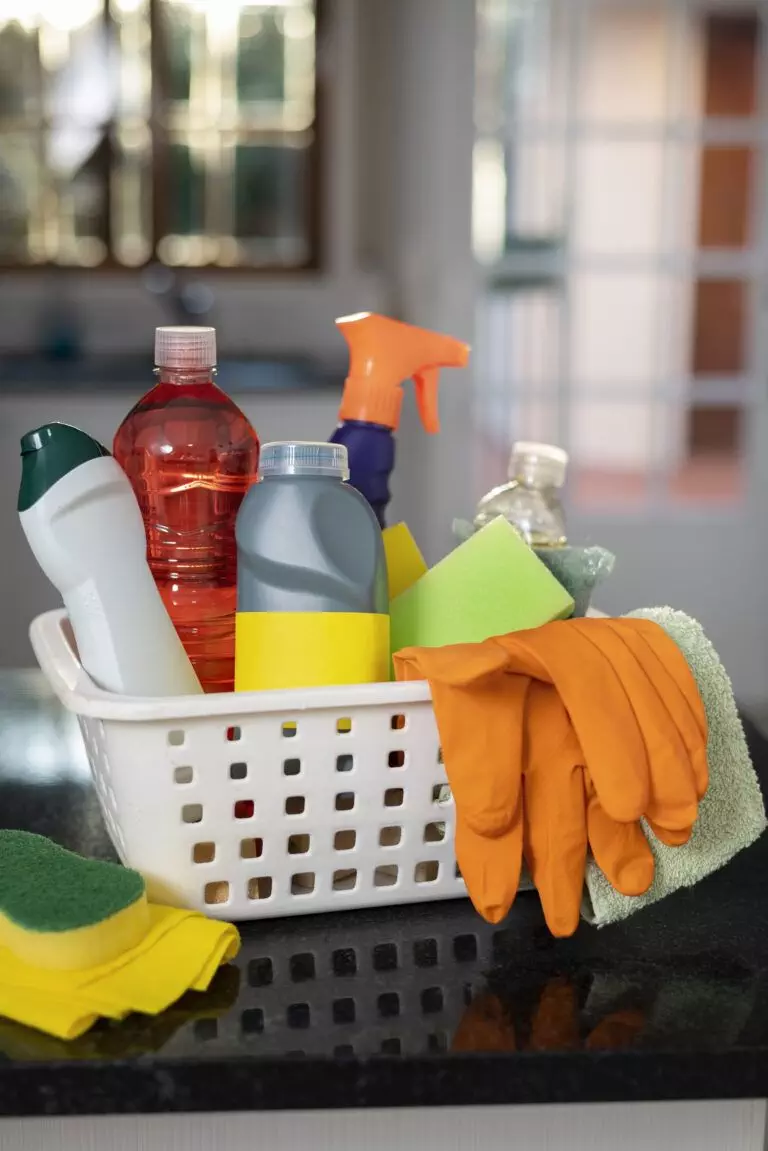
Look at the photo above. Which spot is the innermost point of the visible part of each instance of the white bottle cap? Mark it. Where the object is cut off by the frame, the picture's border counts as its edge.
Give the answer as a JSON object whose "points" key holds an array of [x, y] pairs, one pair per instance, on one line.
{"points": [[190, 348], [297, 458], [543, 462]]}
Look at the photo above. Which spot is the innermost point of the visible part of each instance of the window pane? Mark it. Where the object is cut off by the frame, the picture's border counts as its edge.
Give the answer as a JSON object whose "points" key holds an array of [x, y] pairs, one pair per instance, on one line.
{"points": [[730, 64], [177, 23], [77, 53], [19, 68], [624, 329], [726, 196], [710, 195], [260, 56], [76, 196], [19, 192], [270, 201], [518, 341], [227, 163], [614, 450], [132, 30], [185, 199], [618, 197], [132, 197], [535, 191], [625, 66], [709, 466], [720, 328]]}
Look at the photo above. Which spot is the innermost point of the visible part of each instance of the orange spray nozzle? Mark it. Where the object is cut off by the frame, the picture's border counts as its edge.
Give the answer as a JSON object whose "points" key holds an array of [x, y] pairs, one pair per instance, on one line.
{"points": [[382, 354]]}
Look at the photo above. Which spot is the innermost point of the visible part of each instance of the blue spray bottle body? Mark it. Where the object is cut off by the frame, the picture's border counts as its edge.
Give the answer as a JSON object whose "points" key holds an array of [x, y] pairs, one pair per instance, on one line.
{"points": [[371, 451]]}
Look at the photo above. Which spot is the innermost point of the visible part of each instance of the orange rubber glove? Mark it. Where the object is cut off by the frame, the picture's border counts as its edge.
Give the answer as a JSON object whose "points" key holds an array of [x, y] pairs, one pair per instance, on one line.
{"points": [[561, 736]]}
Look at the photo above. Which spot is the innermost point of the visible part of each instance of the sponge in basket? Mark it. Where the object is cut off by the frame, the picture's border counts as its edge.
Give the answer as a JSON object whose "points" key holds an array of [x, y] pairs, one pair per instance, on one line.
{"points": [[491, 584], [62, 912]]}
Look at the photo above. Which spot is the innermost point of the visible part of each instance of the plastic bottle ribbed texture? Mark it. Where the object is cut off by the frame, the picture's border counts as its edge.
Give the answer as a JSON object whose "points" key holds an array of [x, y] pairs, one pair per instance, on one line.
{"points": [[191, 455], [531, 499], [297, 458], [185, 347]]}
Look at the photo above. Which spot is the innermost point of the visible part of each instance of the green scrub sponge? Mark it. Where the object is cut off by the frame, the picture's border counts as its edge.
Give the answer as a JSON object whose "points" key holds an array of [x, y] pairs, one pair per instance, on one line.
{"points": [[60, 911], [491, 584]]}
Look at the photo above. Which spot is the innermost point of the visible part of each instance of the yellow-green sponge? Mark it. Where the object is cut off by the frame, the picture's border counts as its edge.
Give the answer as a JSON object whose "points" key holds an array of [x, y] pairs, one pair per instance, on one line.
{"points": [[491, 584], [63, 912]]}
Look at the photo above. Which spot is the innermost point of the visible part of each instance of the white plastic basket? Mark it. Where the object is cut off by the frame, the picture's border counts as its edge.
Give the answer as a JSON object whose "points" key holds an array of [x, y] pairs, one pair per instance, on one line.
{"points": [[262, 804]]}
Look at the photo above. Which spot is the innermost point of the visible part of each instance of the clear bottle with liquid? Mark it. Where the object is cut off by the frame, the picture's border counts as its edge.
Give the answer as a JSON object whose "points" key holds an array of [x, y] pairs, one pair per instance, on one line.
{"points": [[530, 501], [191, 456]]}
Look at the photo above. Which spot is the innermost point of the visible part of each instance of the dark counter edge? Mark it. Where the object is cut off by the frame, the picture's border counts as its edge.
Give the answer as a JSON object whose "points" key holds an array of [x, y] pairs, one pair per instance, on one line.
{"points": [[236, 1084]]}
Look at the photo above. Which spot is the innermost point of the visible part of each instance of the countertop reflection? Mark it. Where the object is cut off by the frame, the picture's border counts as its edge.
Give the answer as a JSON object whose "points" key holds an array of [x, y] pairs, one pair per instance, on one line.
{"points": [[409, 1005]]}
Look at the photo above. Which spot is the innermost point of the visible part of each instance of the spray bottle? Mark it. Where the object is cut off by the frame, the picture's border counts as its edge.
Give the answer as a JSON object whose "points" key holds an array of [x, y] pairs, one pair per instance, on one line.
{"points": [[382, 354]]}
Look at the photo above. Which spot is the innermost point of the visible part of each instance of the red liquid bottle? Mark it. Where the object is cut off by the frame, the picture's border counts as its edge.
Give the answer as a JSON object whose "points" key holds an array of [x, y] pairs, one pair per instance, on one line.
{"points": [[191, 455]]}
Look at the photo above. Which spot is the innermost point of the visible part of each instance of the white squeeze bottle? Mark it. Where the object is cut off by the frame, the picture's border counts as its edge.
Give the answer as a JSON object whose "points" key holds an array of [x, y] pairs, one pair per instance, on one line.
{"points": [[82, 521]]}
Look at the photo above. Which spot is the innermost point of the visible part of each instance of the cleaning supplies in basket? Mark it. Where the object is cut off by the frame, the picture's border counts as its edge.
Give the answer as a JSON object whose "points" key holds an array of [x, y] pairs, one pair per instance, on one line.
{"points": [[382, 354], [312, 577], [491, 584], [191, 455], [98, 948], [582, 727], [84, 526]]}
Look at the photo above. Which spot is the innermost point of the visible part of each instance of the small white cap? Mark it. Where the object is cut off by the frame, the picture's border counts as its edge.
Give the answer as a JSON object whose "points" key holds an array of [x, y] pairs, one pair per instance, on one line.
{"points": [[185, 348], [544, 461], [300, 458]]}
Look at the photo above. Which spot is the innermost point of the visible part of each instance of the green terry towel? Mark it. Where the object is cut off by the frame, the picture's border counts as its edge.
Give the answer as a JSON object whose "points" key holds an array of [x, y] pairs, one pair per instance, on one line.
{"points": [[731, 814]]}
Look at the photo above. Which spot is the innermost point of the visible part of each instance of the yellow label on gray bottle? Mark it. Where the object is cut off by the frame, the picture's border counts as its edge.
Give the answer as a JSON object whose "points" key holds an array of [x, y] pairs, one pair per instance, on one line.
{"points": [[309, 649]]}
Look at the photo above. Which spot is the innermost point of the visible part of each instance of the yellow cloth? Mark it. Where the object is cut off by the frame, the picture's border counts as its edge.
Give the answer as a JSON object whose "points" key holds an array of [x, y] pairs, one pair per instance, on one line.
{"points": [[181, 952]]}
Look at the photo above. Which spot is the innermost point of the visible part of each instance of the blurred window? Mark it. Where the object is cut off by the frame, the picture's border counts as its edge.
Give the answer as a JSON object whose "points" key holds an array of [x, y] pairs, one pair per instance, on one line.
{"points": [[620, 211], [178, 130]]}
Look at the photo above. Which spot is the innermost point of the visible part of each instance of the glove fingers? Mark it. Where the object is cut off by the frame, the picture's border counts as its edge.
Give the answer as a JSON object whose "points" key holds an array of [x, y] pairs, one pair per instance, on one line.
{"points": [[667, 666], [490, 866], [556, 841], [481, 732], [670, 837], [665, 763], [591, 690], [621, 850]]}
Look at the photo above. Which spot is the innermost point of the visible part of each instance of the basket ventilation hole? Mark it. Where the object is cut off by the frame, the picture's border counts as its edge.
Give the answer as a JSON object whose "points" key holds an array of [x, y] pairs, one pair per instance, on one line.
{"points": [[217, 892], [204, 852]]}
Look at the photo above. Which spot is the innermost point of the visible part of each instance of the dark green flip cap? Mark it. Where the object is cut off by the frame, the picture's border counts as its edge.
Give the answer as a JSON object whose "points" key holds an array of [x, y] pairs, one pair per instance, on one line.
{"points": [[50, 452]]}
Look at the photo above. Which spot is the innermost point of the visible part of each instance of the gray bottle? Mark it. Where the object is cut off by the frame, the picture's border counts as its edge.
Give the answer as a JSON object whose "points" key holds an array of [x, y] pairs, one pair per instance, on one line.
{"points": [[306, 540]]}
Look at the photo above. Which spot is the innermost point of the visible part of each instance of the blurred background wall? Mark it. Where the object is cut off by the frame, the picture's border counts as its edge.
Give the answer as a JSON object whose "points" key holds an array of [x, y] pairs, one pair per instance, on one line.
{"points": [[575, 186]]}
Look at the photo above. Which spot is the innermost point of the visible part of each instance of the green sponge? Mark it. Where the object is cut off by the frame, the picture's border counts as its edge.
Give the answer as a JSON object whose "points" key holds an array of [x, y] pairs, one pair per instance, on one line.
{"points": [[60, 911], [491, 584]]}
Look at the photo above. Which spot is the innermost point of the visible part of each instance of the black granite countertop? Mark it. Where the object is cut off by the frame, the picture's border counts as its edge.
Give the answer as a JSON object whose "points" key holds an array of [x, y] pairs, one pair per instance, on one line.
{"points": [[409, 1006]]}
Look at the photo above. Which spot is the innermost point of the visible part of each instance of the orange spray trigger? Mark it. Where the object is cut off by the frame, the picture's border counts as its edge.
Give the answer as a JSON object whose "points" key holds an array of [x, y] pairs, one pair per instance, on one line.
{"points": [[426, 382], [382, 354]]}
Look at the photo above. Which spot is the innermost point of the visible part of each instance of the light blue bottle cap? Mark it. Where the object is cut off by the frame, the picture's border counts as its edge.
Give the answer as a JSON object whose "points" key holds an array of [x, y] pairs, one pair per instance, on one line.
{"points": [[299, 458]]}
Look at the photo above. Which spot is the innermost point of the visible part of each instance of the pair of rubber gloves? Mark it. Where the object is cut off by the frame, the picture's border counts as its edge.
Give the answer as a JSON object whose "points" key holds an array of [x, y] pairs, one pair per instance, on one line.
{"points": [[560, 739]]}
